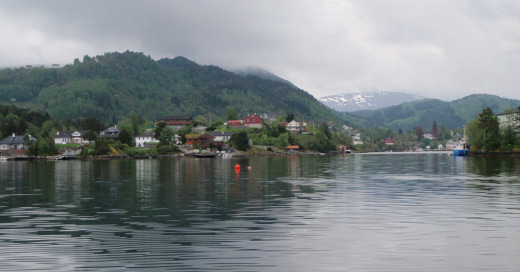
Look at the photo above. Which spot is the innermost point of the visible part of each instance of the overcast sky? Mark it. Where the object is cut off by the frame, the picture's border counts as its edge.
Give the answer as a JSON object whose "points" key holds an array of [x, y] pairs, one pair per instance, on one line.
{"points": [[439, 49]]}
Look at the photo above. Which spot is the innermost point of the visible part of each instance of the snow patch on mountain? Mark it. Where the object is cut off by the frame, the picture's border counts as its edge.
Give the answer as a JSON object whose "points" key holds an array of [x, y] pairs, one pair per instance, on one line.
{"points": [[367, 101]]}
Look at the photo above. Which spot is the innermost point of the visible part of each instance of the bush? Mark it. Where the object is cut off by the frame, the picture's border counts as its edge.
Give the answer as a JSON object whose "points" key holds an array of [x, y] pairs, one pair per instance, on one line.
{"points": [[167, 149], [136, 151]]}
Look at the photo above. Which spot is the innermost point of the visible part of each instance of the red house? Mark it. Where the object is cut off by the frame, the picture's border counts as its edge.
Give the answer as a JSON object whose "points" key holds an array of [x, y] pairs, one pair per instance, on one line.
{"points": [[388, 142], [253, 121], [176, 122], [293, 147]]}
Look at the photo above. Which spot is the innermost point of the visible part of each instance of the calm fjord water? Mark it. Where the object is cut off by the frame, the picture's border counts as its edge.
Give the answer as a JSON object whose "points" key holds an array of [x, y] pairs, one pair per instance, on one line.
{"points": [[361, 212]]}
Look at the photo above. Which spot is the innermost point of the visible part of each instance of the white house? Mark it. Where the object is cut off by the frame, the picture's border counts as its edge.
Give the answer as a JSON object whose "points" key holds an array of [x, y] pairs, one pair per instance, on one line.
{"points": [[428, 136], [297, 127], [451, 145], [356, 139], [71, 137], [145, 138], [509, 119]]}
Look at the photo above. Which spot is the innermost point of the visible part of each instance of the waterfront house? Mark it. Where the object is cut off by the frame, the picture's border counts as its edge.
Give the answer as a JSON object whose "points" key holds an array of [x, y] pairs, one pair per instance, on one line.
{"points": [[71, 137], [389, 142], [145, 139], [356, 140], [451, 145], [15, 145], [293, 147], [511, 119]]}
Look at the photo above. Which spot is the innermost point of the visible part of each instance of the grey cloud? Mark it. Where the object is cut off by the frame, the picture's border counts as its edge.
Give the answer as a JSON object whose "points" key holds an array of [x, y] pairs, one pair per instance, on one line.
{"points": [[441, 49]]}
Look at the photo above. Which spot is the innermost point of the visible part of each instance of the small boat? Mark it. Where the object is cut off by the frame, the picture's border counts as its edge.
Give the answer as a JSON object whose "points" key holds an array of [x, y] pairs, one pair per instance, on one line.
{"points": [[461, 148]]}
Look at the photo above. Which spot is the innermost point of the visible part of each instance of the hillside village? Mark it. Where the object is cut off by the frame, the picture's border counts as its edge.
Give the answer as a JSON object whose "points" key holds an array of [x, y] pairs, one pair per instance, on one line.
{"points": [[127, 104], [194, 136], [183, 135]]}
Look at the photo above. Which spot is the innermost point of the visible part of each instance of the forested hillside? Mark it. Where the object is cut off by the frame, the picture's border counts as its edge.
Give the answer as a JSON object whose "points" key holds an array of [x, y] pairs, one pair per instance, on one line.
{"points": [[114, 85], [422, 113], [471, 106]]}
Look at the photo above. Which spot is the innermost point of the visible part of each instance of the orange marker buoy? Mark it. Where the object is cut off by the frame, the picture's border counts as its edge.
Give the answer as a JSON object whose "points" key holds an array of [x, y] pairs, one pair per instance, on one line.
{"points": [[249, 167], [237, 167]]}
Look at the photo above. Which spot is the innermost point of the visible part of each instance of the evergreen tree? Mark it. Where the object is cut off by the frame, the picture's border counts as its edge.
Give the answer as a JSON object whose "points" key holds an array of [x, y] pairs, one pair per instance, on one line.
{"points": [[488, 124], [158, 130], [508, 139], [126, 136], [166, 136], [240, 141], [435, 130], [290, 117], [419, 132], [232, 114]]}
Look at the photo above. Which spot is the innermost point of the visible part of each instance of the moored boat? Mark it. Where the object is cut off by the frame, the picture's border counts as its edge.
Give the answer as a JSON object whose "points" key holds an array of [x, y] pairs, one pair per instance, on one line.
{"points": [[461, 149]]}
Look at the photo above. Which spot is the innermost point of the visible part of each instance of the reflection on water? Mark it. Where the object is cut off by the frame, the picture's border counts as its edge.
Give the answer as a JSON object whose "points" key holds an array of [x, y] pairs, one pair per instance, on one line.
{"points": [[371, 212]]}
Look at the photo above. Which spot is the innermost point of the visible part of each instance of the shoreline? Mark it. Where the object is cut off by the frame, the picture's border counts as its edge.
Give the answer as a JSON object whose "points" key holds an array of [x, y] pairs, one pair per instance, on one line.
{"points": [[164, 156], [495, 154], [235, 155]]}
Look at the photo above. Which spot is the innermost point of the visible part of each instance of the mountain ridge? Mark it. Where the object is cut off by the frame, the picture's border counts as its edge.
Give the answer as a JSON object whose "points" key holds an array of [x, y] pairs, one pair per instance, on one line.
{"points": [[454, 114], [112, 86], [349, 102]]}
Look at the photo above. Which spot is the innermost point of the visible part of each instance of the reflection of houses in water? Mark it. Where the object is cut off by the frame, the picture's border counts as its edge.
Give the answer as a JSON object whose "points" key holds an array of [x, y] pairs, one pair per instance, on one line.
{"points": [[68, 181], [14, 175], [294, 166], [145, 176]]}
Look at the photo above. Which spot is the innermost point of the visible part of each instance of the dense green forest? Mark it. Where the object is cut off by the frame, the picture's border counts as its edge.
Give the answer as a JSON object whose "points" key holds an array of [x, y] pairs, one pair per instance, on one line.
{"points": [[113, 85], [20, 121]]}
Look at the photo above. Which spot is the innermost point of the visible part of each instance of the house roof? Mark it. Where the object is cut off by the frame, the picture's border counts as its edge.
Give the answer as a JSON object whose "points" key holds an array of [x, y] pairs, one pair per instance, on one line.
{"points": [[509, 113], [144, 135], [253, 118], [220, 133], [10, 140], [112, 130], [207, 136], [192, 136], [294, 123], [68, 133]]}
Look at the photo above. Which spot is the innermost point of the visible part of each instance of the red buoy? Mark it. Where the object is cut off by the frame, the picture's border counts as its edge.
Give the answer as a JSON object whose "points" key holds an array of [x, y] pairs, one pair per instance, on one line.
{"points": [[237, 167]]}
